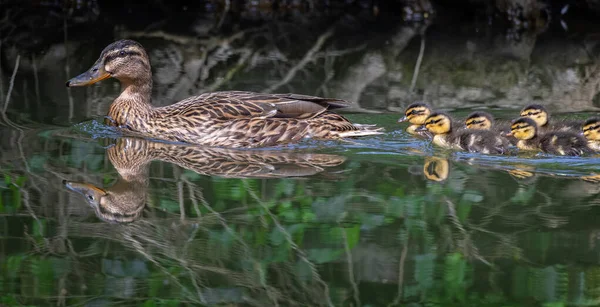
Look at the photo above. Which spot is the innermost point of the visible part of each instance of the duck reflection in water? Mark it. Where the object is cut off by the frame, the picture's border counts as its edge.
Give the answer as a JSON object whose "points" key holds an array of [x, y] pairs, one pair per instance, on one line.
{"points": [[124, 201]]}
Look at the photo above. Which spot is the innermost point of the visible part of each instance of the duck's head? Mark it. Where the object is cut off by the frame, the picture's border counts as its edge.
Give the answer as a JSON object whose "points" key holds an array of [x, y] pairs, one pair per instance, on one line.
{"points": [[117, 204], [125, 60], [437, 123], [523, 128], [416, 113], [591, 129], [479, 120], [536, 112]]}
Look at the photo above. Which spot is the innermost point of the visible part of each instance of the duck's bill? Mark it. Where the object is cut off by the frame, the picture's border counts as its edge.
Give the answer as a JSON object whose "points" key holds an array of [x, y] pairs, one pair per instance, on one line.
{"points": [[84, 188], [89, 77], [421, 129], [402, 119]]}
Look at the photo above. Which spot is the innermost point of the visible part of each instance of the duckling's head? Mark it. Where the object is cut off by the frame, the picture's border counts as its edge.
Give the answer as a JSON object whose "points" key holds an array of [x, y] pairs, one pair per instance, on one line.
{"points": [[416, 113], [112, 205], [523, 128], [536, 112], [591, 129], [479, 120], [125, 60], [438, 123]]}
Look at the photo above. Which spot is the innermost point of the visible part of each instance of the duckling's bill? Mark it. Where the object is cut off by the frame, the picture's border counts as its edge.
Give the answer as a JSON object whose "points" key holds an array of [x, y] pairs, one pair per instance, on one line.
{"points": [[422, 129], [93, 75]]}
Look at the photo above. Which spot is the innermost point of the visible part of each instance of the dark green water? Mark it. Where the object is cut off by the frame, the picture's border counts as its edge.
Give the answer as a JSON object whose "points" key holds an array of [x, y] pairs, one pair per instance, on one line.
{"points": [[378, 221]]}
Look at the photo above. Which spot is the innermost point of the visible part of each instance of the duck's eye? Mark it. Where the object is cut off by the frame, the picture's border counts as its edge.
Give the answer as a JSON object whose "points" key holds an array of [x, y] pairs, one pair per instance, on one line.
{"points": [[90, 197]]}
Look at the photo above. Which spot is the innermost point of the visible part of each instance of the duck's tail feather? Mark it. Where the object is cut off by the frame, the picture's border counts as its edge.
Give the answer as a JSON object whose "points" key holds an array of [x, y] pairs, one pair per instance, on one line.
{"points": [[363, 130]]}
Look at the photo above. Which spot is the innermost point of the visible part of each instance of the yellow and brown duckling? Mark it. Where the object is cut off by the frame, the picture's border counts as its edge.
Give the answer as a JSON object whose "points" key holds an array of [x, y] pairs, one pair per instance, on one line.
{"points": [[228, 119], [542, 118], [562, 143], [416, 114], [481, 120], [483, 141], [591, 131]]}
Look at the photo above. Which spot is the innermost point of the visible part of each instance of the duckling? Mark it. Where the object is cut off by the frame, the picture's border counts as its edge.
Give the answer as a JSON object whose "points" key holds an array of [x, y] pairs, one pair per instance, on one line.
{"points": [[483, 141], [542, 118], [591, 131], [481, 120], [562, 143], [416, 114]]}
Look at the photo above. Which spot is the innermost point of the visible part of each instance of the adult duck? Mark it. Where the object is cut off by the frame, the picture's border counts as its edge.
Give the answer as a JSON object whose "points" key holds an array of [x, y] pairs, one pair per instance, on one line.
{"points": [[225, 119]]}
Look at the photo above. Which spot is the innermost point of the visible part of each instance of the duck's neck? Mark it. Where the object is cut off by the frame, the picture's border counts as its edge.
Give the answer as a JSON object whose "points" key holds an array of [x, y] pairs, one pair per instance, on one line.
{"points": [[132, 109], [594, 145], [442, 140], [529, 144]]}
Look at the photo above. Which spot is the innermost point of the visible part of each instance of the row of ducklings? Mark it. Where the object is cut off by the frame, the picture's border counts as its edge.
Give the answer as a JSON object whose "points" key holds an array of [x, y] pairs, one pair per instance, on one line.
{"points": [[533, 131]]}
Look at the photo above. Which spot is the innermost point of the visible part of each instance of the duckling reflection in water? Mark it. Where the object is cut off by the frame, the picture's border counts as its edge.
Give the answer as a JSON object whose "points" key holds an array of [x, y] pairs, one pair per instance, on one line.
{"points": [[436, 169], [125, 200], [482, 141], [225, 119], [562, 143]]}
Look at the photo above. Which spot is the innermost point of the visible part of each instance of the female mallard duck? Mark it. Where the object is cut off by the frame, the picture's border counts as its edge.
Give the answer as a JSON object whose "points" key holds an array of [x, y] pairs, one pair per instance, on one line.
{"points": [[481, 120], [562, 143], [230, 119], [125, 200], [542, 118], [416, 114], [483, 141], [591, 131]]}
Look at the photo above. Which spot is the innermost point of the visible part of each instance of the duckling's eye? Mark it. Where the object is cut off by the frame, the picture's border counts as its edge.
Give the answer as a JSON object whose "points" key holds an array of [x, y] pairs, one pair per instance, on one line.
{"points": [[121, 53], [412, 112]]}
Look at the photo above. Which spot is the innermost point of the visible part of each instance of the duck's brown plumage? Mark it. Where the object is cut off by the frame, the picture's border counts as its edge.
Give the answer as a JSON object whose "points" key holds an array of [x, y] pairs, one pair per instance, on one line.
{"points": [[228, 119]]}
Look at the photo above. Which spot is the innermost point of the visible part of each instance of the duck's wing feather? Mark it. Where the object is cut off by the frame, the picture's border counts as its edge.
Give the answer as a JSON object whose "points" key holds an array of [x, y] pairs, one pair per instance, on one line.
{"points": [[238, 104]]}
